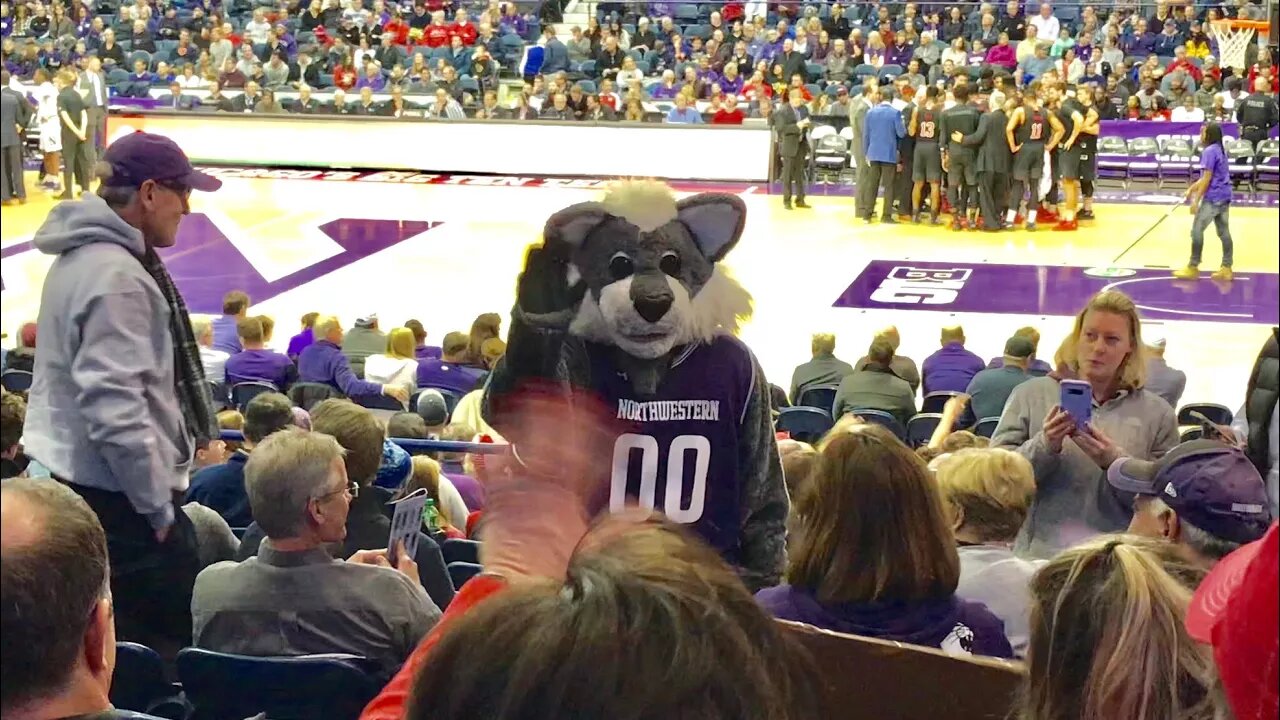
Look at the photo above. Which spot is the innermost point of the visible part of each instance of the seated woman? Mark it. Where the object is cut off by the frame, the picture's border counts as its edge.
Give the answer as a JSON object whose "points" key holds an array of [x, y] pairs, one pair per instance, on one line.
{"points": [[874, 555], [398, 366], [987, 493], [1108, 639]]}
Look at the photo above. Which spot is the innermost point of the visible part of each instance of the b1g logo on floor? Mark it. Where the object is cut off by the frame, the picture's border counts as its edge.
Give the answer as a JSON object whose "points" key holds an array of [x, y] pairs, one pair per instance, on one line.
{"points": [[924, 286]]}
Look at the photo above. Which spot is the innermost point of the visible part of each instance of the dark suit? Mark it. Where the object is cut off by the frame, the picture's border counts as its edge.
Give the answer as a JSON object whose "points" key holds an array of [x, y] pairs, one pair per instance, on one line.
{"points": [[792, 63], [179, 102], [857, 118], [793, 144], [993, 164], [15, 113]]}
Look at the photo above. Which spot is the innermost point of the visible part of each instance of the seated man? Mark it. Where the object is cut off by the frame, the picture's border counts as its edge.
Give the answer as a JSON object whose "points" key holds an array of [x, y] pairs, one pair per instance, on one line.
{"points": [[952, 366], [59, 633], [874, 386], [256, 362], [363, 340], [990, 389], [1035, 367], [293, 598], [324, 362], [824, 369], [450, 372], [213, 360], [221, 487], [1204, 496], [902, 366]]}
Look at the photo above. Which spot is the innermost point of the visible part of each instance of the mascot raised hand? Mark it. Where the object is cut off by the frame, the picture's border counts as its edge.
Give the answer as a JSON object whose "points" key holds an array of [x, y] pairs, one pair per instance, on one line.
{"points": [[624, 298]]}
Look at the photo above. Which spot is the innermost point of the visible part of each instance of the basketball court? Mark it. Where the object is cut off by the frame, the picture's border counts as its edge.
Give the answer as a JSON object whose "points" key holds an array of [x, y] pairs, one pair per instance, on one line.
{"points": [[447, 249]]}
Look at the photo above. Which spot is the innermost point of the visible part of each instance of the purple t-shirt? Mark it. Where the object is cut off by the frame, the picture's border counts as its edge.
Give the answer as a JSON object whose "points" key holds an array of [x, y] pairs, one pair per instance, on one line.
{"points": [[681, 453], [268, 365], [1214, 161]]}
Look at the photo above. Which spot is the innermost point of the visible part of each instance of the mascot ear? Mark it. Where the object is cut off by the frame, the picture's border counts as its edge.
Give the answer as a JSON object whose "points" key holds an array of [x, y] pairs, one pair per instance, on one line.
{"points": [[715, 220], [572, 224]]}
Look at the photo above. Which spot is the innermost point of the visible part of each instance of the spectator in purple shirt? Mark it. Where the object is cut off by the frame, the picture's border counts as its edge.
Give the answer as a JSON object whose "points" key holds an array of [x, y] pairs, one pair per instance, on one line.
{"points": [[873, 499], [299, 342], [453, 465], [667, 89], [1139, 41], [422, 350], [235, 307], [323, 362], [256, 362], [371, 78], [1210, 198], [450, 372], [952, 367]]}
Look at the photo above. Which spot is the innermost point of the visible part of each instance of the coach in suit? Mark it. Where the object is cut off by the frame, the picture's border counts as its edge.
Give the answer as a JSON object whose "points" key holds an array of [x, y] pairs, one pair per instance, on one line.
{"points": [[993, 162], [791, 123], [178, 101], [883, 130], [857, 120], [94, 81], [15, 113]]}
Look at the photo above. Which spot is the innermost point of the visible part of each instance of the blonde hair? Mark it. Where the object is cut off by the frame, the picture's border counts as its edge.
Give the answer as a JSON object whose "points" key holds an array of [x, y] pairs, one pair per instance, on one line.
{"points": [[325, 324], [426, 474], [823, 343], [231, 419], [989, 488], [401, 344], [1108, 640], [1132, 373]]}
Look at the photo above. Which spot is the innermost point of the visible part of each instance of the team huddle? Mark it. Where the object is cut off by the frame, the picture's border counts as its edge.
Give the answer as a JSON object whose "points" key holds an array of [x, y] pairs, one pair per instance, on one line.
{"points": [[994, 162]]}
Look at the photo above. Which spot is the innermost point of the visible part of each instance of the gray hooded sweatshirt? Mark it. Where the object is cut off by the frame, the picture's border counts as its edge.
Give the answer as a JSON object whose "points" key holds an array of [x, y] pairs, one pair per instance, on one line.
{"points": [[103, 411]]}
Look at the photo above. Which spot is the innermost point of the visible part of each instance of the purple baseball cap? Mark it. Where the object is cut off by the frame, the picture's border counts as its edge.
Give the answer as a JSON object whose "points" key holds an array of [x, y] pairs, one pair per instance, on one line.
{"points": [[140, 156], [1212, 485]]}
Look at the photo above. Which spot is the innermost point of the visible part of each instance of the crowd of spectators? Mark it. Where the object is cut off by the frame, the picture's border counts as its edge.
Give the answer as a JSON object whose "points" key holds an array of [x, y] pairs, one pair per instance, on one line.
{"points": [[721, 63]]}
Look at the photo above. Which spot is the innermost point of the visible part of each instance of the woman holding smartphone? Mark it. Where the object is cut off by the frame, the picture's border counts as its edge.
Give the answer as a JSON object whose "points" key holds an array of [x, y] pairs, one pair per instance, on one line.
{"points": [[1071, 454]]}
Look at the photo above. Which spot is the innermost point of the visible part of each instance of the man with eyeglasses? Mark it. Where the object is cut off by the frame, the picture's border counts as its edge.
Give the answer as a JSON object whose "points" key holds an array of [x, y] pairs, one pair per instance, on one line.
{"points": [[293, 597], [119, 402]]}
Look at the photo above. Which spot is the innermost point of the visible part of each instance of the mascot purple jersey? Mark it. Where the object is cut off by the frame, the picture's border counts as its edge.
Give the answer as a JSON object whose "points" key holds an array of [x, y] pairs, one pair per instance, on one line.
{"points": [[625, 298]]}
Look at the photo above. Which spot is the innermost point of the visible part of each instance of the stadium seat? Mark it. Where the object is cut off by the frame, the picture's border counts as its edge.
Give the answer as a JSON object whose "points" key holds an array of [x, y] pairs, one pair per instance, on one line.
{"points": [[588, 86], [1191, 433], [137, 55], [935, 401], [243, 392], [221, 397], [221, 686], [378, 402], [863, 71], [1240, 159], [139, 683], [451, 398], [1214, 413], [814, 70], [888, 72], [806, 424], [986, 427], [920, 428], [587, 68], [686, 13], [461, 572], [1113, 160], [16, 380], [818, 396], [459, 550], [306, 394], [880, 417], [116, 76]]}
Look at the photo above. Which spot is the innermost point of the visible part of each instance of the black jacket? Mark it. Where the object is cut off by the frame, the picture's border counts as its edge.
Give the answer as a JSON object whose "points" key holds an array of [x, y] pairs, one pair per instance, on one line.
{"points": [[993, 148], [1260, 401]]}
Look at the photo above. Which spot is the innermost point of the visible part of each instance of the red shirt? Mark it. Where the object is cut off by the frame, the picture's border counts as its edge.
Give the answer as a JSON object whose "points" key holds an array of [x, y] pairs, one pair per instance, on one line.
{"points": [[398, 28], [467, 32], [728, 117], [436, 36], [389, 705], [1187, 67], [344, 77]]}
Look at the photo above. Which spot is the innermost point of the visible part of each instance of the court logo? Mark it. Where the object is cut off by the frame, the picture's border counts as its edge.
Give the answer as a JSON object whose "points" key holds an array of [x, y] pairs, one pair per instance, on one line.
{"points": [[924, 286]]}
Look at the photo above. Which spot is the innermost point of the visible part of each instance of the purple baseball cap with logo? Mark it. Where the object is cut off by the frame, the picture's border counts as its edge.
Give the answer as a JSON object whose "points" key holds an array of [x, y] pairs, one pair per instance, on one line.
{"points": [[140, 156], [1212, 485]]}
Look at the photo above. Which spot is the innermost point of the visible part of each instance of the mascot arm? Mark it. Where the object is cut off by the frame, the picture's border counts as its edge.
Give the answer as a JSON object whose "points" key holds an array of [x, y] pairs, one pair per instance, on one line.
{"points": [[764, 517]]}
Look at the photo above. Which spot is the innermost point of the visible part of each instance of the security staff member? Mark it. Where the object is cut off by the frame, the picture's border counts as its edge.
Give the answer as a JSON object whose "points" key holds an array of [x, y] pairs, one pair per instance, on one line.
{"points": [[993, 162], [959, 159], [1257, 113]]}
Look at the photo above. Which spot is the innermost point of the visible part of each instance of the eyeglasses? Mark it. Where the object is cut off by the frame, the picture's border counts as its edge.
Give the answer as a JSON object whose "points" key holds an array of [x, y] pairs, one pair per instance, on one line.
{"points": [[352, 489]]}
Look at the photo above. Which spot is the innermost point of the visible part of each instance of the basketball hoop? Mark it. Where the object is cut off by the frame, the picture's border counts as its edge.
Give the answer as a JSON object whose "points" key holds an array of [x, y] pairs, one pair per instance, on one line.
{"points": [[1233, 38]]}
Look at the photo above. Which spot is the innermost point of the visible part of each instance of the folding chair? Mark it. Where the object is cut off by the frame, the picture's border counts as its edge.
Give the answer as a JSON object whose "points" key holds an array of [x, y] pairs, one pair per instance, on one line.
{"points": [[222, 685], [920, 428], [1113, 160], [880, 417], [458, 550], [806, 424], [1268, 165], [1240, 161], [986, 427], [1214, 413], [822, 397], [1176, 159], [1144, 159]]}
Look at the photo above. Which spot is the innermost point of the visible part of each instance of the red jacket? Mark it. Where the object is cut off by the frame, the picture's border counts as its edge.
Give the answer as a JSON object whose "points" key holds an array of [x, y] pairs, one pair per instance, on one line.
{"points": [[436, 35], [467, 32], [1187, 67], [389, 705], [725, 117]]}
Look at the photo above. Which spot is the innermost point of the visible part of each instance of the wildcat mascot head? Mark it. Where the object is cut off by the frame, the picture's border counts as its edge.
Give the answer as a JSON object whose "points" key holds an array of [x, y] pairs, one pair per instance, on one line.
{"points": [[649, 266]]}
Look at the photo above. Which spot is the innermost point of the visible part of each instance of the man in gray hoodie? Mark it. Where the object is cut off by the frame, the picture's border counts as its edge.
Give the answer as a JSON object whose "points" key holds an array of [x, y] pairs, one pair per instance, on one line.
{"points": [[119, 401]]}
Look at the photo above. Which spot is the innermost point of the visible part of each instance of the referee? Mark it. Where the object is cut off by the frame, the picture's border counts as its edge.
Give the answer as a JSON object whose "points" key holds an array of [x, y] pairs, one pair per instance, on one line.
{"points": [[1257, 113]]}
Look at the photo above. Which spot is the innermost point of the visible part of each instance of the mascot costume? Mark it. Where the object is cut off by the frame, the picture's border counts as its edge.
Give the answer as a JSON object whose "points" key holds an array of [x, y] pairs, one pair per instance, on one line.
{"points": [[624, 298]]}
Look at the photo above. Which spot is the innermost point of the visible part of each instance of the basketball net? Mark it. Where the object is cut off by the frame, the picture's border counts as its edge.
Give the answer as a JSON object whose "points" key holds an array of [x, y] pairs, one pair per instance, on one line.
{"points": [[1233, 38]]}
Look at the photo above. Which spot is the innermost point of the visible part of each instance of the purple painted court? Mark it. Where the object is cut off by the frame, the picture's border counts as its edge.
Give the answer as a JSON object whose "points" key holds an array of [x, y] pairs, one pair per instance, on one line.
{"points": [[1056, 290]]}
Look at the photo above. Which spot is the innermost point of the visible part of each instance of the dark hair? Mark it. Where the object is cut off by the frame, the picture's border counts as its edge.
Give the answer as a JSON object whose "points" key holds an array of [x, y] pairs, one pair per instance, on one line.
{"points": [[419, 332], [961, 93], [407, 425], [872, 527], [881, 351], [1212, 134], [13, 414], [309, 319], [235, 302], [649, 624], [265, 414], [50, 581]]}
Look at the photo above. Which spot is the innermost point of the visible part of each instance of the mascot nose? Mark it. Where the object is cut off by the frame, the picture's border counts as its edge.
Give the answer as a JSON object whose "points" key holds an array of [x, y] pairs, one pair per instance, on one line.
{"points": [[653, 307]]}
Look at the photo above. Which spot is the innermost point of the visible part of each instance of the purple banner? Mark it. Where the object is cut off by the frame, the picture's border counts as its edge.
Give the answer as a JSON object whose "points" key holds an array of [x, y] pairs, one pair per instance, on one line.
{"points": [[1057, 290], [1128, 129]]}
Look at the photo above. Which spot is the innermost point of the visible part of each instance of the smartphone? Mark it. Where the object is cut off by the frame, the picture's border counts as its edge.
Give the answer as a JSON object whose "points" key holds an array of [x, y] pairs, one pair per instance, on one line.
{"points": [[1077, 399]]}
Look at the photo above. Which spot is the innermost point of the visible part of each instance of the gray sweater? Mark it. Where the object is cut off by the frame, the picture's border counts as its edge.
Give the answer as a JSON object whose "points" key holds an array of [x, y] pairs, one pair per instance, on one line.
{"points": [[1073, 499]]}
